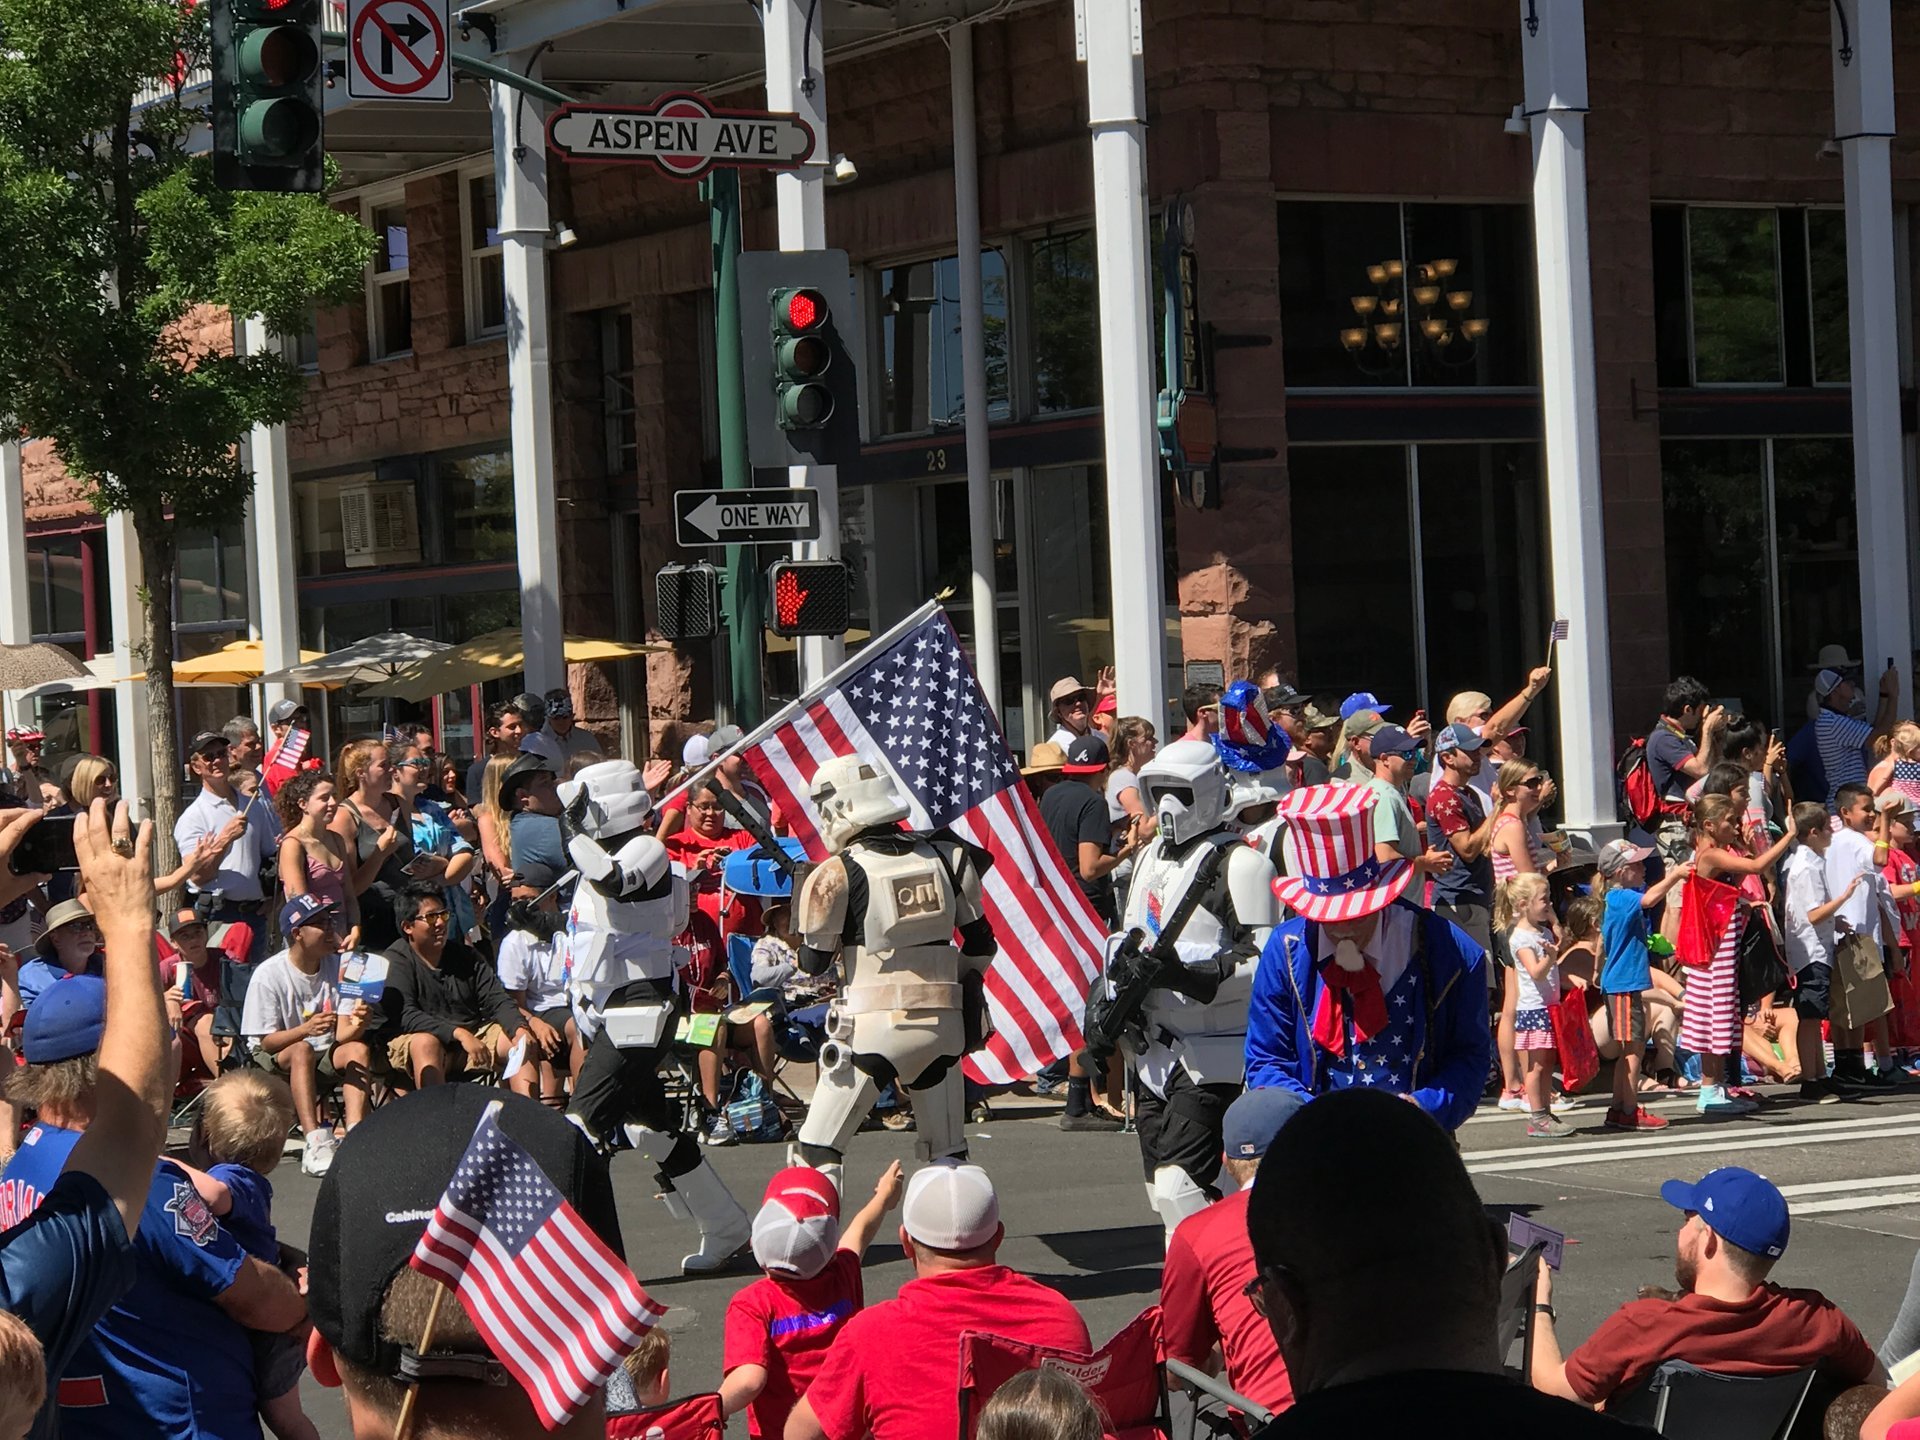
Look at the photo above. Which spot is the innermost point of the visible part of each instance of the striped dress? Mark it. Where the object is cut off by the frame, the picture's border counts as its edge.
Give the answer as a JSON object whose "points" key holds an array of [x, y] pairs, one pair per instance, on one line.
{"points": [[1710, 1015]]}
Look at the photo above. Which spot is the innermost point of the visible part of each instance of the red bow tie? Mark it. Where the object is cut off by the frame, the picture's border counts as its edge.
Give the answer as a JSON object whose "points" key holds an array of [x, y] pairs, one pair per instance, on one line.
{"points": [[1343, 989]]}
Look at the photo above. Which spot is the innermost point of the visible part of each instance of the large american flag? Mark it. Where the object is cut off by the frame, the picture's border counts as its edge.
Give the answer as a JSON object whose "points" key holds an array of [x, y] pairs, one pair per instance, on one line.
{"points": [[910, 701], [555, 1305]]}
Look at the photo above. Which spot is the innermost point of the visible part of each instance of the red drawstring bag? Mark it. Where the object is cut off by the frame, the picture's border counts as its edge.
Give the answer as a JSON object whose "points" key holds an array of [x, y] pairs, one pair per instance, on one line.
{"points": [[1706, 909], [1573, 1038]]}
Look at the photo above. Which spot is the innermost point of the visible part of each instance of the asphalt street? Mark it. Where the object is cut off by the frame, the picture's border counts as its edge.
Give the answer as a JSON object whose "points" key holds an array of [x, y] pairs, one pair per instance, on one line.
{"points": [[1077, 1218]]}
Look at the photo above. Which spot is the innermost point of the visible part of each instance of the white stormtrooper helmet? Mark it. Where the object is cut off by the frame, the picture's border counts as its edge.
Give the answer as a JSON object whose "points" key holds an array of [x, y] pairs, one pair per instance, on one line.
{"points": [[1245, 792], [617, 799], [1185, 786], [852, 795]]}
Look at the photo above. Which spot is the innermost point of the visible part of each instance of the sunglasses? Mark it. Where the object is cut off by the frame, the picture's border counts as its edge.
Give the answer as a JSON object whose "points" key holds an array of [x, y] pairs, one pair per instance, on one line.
{"points": [[1534, 784], [413, 765], [431, 917]]}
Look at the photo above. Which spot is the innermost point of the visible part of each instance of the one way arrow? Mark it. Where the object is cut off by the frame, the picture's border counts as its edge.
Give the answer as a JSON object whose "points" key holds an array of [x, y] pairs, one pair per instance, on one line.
{"points": [[705, 517], [409, 32]]}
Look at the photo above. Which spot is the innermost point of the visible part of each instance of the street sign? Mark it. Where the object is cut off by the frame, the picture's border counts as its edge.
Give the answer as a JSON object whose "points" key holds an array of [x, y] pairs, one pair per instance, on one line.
{"points": [[745, 517], [681, 134], [397, 50]]}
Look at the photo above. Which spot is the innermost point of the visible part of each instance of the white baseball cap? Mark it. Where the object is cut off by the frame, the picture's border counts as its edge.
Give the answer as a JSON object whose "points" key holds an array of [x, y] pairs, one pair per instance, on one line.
{"points": [[797, 1229], [951, 1207]]}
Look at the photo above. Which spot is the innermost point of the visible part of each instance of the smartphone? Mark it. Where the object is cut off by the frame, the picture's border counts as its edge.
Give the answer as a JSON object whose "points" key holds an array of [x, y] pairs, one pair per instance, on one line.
{"points": [[45, 848], [418, 866]]}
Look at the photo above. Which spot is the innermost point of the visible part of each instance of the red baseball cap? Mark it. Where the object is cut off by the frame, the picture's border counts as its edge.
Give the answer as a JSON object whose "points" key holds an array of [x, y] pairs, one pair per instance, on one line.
{"points": [[798, 1227]]}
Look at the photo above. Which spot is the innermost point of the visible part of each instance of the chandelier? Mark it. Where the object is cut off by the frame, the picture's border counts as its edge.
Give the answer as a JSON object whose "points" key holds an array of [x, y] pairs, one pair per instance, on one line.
{"points": [[1427, 313]]}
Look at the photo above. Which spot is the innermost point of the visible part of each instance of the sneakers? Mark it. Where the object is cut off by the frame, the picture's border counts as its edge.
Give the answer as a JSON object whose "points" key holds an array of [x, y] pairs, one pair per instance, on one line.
{"points": [[897, 1120], [1561, 1104], [717, 1131], [1639, 1118], [1512, 1100], [1820, 1092], [316, 1155], [1548, 1127], [1093, 1122], [1715, 1101]]}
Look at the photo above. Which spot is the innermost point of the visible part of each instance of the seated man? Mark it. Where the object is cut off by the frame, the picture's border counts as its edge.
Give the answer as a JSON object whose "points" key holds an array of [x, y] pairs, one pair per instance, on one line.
{"points": [[190, 982], [1727, 1318], [447, 1015]]}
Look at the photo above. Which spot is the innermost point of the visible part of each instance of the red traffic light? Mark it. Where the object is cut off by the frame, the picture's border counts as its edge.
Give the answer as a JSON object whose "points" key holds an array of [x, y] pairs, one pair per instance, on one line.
{"points": [[803, 309], [811, 597]]}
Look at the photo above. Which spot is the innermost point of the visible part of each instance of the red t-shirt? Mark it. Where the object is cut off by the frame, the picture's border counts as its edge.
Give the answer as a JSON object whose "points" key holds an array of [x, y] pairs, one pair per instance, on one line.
{"points": [[202, 993], [684, 847], [1446, 809], [1209, 1262], [895, 1369], [1772, 1332], [786, 1326]]}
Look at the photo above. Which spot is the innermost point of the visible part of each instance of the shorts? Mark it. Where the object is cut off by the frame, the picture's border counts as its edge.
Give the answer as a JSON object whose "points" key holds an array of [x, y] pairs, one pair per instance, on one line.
{"points": [[558, 1016], [1532, 1030], [1627, 1020], [400, 1055], [1813, 990], [278, 1361], [1673, 842], [327, 1075]]}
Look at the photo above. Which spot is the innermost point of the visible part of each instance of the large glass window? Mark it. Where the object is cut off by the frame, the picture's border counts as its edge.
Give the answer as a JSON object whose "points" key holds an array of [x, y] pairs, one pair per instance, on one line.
{"points": [[1827, 295], [1733, 273], [56, 594], [922, 378], [1062, 323], [210, 577], [1356, 624], [618, 409], [319, 530], [1380, 294], [476, 499], [1071, 587]]}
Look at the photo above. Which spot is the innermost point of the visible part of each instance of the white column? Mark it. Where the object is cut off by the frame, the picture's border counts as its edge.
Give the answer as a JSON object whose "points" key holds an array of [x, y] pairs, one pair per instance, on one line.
{"points": [[1555, 57], [1107, 37], [1863, 124], [271, 518], [16, 610], [125, 580], [973, 366], [520, 175], [797, 84]]}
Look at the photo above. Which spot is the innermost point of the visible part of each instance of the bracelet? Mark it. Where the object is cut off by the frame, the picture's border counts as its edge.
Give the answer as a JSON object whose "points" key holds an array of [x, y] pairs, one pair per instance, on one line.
{"points": [[1546, 1310]]}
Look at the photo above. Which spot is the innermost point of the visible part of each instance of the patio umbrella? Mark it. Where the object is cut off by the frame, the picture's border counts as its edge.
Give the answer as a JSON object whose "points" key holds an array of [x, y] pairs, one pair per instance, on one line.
{"points": [[237, 664], [24, 666], [490, 656], [364, 662], [100, 673]]}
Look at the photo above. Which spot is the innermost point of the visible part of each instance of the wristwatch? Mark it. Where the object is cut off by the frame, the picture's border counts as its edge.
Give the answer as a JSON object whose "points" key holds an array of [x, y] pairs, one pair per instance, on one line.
{"points": [[1546, 1310]]}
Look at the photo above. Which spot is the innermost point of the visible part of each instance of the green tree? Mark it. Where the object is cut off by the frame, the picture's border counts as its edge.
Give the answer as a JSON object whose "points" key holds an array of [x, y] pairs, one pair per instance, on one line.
{"points": [[116, 237]]}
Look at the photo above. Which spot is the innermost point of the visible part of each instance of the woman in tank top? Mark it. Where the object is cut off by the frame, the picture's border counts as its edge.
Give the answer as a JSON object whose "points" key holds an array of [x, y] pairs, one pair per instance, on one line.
{"points": [[313, 860], [378, 838]]}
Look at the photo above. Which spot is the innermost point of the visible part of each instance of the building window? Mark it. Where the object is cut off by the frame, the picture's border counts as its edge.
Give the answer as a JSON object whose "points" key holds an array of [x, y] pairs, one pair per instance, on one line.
{"points": [[1377, 294], [486, 272], [56, 590], [1061, 324], [302, 351], [1827, 296], [210, 579], [389, 288], [1733, 283], [476, 505], [618, 410], [922, 374]]}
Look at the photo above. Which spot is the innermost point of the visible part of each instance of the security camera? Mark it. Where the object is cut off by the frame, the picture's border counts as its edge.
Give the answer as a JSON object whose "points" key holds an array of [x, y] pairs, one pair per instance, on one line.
{"points": [[843, 171]]}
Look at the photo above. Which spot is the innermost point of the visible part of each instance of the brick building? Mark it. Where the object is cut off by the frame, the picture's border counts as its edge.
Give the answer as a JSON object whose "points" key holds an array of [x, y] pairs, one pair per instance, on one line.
{"points": [[1365, 219]]}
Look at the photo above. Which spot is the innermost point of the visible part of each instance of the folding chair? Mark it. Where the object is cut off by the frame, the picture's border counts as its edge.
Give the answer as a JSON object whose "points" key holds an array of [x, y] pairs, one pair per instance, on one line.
{"points": [[1688, 1403], [1213, 1388], [1126, 1377], [698, 1417], [1514, 1319]]}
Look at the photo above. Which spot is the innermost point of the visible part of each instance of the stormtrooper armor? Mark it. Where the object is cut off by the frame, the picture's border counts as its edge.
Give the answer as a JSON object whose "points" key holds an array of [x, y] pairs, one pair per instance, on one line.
{"points": [[629, 905], [1193, 1059], [887, 903]]}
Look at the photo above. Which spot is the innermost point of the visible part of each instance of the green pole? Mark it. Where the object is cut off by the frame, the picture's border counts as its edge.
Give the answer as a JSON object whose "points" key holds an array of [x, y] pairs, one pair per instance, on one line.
{"points": [[741, 597]]}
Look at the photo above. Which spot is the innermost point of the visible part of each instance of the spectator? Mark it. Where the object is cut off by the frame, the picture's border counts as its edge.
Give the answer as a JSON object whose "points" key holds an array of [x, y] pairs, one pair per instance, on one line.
{"points": [[1626, 970], [645, 1375], [440, 852], [447, 1015], [369, 1306], [66, 1254], [1132, 744], [24, 745], [1523, 913], [1201, 705], [1843, 739], [701, 847], [506, 727], [1361, 1181], [190, 981], [560, 728], [1521, 790], [1475, 710], [1075, 814], [892, 1372], [243, 744], [313, 859], [91, 778], [529, 796], [1287, 706], [1353, 760], [23, 1377], [534, 967], [1727, 1318], [1106, 713], [1460, 819], [780, 1328], [1070, 707], [285, 715], [1859, 849], [296, 1028], [70, 945], [1042, 1404], [1395, 834], [1681, 748], [377, 833], [1762, 761], [1204, 1304], [1809, 907], [1320, 733], [235, 892]]}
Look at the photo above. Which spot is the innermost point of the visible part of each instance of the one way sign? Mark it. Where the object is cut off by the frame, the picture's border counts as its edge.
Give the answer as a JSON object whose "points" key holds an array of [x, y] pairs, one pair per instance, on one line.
{"points": [[397, 50], [745, 517]]}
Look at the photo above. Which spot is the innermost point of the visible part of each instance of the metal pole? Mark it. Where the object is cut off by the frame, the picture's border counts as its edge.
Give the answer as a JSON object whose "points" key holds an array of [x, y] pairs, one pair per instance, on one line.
{"points": [[741, 599], [126, 578], [973, 365], [16, 609], [1108, 39], [271, 516]]}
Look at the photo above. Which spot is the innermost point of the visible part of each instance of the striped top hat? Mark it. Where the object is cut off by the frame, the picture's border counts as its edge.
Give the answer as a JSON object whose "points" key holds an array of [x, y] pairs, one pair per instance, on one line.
{"points": [[1340, 879]]}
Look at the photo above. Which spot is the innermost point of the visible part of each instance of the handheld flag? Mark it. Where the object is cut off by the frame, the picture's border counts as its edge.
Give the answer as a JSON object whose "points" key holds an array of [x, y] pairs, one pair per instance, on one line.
{"points": [[282, 762]]}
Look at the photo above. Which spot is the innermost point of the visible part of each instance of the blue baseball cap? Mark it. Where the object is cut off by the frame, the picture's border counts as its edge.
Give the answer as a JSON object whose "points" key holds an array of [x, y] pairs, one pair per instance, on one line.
{"points": [[1739, 1206], [1392, 740], [1457, 736], [65, 1020], [301, 910], [1254, 1119], [1362, 700]]}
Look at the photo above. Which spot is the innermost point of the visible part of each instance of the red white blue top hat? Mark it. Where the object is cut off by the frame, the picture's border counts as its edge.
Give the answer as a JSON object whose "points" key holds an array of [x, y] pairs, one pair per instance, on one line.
{"points": [[1331, 827]]}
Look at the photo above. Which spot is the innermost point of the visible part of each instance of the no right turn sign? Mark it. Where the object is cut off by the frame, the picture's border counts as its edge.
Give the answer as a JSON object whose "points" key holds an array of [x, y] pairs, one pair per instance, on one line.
{"points": [[397, 50]]}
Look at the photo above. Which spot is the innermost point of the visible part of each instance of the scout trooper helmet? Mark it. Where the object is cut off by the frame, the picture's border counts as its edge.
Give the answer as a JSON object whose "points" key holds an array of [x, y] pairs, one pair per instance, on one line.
{"points": [[1186, 788], [853, 794], [617, 802]]}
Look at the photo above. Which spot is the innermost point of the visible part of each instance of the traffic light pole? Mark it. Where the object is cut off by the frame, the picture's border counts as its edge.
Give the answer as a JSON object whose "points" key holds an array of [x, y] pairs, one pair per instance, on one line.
{"points": [[740, 600]]}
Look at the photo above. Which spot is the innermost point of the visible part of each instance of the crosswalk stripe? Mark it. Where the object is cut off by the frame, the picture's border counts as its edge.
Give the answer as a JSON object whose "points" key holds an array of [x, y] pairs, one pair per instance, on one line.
{"points": [[1620, 1142], [1857, 1202], [1767, 1138], [1835, 1187]]}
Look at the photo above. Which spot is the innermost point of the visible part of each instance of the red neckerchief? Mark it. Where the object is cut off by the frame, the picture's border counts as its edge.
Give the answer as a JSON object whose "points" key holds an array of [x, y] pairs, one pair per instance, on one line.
{"points": [[1339, 990]]}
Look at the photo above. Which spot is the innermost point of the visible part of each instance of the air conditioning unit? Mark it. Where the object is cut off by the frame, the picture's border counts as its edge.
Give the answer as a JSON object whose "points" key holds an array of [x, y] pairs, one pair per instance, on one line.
{"points": [[380, 524]]}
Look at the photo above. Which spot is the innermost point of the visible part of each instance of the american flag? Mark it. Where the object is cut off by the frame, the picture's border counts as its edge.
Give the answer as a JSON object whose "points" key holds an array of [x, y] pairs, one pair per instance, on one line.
{"points": [[910, 700], [1559, 631], [555, 1305], [282, 762]]}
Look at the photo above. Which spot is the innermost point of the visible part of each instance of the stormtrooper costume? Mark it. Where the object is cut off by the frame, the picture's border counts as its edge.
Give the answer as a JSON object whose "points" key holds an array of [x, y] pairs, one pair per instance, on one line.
{"points": [[1193, 1060], [886, 903], [630, 903]]}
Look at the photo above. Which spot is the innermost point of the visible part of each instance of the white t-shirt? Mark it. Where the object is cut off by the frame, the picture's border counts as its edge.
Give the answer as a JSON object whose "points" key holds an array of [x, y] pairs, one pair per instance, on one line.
{"points": [[1851, 854], [281, 996], [1805, 874], [1118, 779], [537, 967], [1534, 995]]}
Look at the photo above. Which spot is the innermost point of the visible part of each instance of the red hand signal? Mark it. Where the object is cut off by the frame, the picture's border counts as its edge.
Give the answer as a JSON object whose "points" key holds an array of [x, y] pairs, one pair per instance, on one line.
{"points": [[788, 598]]}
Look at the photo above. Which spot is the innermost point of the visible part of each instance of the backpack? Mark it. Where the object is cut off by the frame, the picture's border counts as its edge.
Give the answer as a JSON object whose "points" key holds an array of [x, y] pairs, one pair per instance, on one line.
{"points": [[751, 1113], [1637, 799]]}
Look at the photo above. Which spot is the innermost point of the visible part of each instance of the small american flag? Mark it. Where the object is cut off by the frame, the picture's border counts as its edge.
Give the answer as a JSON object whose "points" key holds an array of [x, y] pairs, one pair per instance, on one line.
{"points": [[555, 1305], [1561, 629], [282, 762], [910, 700]]}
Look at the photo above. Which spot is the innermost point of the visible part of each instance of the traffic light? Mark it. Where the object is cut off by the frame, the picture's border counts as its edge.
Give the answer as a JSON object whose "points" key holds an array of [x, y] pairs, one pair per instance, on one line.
{"points": [[269, 95], [686, 601], [810, 597], [797, 359]]}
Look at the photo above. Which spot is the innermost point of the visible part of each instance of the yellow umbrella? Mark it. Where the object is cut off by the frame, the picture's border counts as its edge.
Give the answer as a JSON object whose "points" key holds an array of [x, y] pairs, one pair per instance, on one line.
{"points": [[490, 656], [241, 663]]}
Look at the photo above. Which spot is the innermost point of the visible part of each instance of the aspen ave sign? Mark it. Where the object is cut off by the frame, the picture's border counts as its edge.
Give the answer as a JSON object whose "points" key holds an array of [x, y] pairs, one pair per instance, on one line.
{"points": [[681, 134]]}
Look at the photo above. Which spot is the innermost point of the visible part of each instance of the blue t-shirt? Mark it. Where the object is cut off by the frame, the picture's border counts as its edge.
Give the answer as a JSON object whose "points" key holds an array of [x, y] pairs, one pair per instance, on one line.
{"points": [[64, 1259], [433, 834], [1628, 967], [37, 975], [250, 1217], [165, 1352]]}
